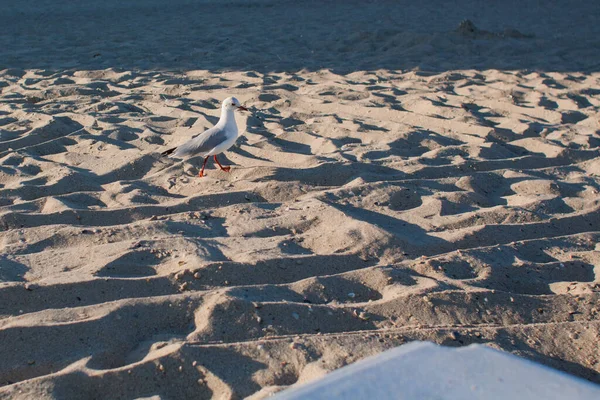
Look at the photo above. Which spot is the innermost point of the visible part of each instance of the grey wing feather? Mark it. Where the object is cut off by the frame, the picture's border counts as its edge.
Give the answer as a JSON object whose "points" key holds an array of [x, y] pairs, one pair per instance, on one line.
{"points": [[202, 143]]}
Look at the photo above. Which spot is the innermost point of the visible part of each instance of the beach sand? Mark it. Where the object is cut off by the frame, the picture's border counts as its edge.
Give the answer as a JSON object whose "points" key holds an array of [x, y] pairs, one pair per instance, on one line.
{"points": [[403, 174]]}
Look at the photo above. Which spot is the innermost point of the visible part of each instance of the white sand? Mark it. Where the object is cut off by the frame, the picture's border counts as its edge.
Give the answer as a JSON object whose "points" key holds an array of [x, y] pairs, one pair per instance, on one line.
{"points": [[397, 179]]}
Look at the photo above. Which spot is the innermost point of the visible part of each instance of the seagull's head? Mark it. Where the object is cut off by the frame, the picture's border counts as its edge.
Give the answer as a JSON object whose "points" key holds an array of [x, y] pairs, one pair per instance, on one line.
{"points": [[231, 103]]}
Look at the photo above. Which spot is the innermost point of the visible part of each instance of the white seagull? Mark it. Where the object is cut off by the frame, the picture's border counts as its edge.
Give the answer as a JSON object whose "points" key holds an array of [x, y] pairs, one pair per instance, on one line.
{"points": [[214, 140]]}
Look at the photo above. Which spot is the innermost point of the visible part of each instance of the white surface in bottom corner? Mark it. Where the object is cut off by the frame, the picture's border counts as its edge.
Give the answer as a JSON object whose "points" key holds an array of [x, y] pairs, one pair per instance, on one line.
{"points": [[422, 370]]}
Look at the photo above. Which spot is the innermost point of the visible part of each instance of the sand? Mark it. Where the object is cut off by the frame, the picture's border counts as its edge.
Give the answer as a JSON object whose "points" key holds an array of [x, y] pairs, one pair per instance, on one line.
{"points": [[401, 176]]}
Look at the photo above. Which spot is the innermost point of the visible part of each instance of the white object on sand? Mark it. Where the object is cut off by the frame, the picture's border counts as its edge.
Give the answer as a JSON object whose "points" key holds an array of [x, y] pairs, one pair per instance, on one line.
{"points": [[422, 370], [214, 140]]}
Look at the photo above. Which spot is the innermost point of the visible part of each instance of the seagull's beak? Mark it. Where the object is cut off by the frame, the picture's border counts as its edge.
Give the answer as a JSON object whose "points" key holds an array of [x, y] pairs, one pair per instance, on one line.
{"points": [[242, 108]]}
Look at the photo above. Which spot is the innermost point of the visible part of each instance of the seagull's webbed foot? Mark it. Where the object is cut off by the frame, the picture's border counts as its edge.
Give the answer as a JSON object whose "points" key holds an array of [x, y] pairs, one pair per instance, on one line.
{"points": [[201, 174], [226, 169]]}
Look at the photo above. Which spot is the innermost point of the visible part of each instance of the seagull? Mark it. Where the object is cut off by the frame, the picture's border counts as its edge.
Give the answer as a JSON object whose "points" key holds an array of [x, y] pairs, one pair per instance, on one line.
{"points": [[214, 140]]}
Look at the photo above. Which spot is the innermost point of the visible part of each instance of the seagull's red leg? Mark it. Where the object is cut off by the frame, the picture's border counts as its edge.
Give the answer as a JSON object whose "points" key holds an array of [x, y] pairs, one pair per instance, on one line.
{"points": [[226, 169], [201, 174]]}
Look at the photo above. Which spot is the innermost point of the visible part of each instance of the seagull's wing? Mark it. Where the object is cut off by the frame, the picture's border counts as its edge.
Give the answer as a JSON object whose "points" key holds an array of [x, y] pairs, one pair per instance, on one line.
{"points": [[202, 143]]}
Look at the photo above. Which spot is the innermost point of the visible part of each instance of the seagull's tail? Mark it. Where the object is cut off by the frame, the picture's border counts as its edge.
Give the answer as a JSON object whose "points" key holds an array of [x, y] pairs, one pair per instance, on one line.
{"points": [[168, 152]]}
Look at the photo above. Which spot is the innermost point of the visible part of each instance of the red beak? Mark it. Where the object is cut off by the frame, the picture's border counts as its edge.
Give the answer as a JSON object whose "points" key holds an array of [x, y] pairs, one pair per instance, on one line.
{"points": [[242, 108]]}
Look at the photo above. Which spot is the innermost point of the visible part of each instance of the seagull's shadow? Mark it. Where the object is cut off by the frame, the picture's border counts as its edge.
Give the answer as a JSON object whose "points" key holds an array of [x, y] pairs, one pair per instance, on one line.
{"points": [[238, 150]]}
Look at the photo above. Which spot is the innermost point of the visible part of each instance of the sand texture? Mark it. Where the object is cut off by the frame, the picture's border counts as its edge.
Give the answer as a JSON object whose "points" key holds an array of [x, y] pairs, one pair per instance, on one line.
{"points": [[401, 176]]}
